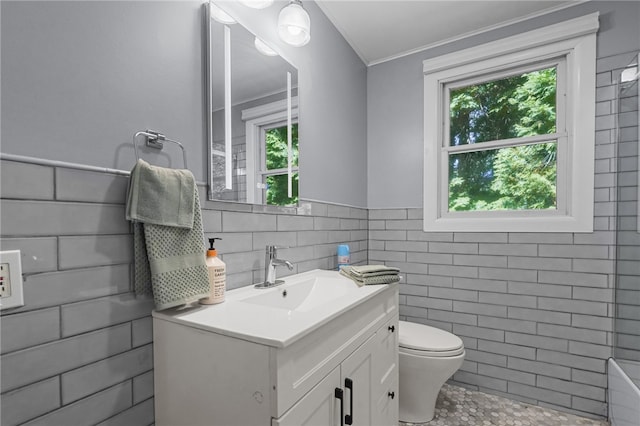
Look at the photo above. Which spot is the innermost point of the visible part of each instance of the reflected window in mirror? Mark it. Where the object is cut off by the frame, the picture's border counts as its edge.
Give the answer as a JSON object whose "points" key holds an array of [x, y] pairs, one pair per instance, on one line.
{"points": [[274, 157], [268, 154]]}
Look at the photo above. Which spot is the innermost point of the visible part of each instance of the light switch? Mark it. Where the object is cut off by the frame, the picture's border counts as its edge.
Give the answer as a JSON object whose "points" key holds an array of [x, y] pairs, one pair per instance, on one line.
{"points": [[10, 280]]}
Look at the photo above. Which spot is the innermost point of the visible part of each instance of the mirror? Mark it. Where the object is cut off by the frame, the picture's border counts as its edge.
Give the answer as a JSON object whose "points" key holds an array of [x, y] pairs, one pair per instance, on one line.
{"points": [[253, 118]]}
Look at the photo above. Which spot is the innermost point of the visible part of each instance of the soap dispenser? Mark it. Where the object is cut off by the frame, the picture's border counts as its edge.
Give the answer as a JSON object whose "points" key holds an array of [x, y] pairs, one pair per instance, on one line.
{"points": [[217, 276]]}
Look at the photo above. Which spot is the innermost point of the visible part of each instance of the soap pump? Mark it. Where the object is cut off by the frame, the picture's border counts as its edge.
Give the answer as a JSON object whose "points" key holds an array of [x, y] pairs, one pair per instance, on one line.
{"points": [[217, 276]]}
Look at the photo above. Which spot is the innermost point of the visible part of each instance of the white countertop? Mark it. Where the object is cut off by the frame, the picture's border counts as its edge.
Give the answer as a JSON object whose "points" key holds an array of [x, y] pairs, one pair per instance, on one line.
{"points": [[273, 326]]}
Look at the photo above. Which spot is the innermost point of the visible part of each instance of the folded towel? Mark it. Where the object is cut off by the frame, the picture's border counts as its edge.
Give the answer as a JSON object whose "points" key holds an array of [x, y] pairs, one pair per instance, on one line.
{"points": [[161, 196], [371, 270], [371, 274], [168, 238]]}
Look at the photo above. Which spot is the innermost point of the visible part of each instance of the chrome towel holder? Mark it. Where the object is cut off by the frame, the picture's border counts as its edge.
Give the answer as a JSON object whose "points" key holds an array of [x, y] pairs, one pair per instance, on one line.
{"points": [[155, 140]]}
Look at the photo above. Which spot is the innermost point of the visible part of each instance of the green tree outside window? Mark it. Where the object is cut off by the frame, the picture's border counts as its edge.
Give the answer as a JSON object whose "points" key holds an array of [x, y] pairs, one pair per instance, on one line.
{"points": [[277, 159], [511, 178]]}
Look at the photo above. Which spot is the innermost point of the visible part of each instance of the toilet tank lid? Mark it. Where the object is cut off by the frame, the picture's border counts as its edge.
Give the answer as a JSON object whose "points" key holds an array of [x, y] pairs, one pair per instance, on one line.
{"points": [[426, 338]]}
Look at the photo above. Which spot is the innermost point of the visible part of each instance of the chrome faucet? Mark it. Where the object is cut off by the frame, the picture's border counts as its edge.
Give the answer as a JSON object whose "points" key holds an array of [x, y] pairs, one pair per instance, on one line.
{"points": [[270, 263]]}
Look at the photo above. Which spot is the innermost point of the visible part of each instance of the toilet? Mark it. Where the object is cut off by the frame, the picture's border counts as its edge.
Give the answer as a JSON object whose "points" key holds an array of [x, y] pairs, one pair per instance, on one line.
{"points": [[427, 357]]}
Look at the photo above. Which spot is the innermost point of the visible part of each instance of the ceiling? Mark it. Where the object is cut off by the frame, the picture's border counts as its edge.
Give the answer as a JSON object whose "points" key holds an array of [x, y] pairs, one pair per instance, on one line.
{"points": [[381, 30]]}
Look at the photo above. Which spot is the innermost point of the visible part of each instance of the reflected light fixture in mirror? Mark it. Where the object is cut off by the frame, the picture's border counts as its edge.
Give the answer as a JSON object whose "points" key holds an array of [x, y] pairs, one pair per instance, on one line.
{"points": [[263, 48], [257, 4], [294, 24], [220, 15]]}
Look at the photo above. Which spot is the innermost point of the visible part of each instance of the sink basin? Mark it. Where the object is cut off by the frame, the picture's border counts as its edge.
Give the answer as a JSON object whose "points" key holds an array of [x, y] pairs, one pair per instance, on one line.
{"points": [[280, 315], [303, 295]]}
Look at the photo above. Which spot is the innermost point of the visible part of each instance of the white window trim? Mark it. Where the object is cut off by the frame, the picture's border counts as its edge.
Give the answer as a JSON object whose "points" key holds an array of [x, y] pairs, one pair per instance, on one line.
{"points": [[255, 119], [576, 40]]}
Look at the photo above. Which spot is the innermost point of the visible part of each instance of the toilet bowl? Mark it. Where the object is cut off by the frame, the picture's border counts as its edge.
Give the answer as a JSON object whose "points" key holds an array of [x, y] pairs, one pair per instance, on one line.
{"points": [[427, 358]]}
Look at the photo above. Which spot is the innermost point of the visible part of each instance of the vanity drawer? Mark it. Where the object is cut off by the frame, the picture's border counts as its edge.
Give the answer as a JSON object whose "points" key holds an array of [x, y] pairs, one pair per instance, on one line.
{"points": [[302, 365]]}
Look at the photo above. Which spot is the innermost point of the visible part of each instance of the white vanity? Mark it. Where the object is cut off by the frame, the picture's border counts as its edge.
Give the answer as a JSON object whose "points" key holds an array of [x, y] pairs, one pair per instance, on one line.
{"points": [[316, 350]]}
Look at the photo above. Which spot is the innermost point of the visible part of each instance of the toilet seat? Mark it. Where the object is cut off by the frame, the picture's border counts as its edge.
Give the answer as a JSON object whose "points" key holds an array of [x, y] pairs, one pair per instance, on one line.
{"points": [[423, 340]]}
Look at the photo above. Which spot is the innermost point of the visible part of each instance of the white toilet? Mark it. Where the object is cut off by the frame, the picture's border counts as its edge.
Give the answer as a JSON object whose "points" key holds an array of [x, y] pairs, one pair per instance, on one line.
{"points": [[427, 357]]}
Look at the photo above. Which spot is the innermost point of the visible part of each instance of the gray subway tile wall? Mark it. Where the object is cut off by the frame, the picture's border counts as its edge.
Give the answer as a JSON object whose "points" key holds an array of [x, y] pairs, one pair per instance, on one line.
{"points": [[90, 410], [44, 252], [31, 401], [627, 319], [80, 350], [535, 308]]}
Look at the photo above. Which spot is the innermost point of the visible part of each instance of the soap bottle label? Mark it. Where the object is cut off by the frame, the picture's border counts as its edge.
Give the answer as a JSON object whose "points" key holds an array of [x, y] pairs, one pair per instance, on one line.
{"points": [[217, 276]]}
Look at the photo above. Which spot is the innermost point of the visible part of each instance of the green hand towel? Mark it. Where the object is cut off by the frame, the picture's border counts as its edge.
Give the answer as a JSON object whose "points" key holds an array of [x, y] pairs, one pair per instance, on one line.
{"points": [[168, 237], [161, 196]]}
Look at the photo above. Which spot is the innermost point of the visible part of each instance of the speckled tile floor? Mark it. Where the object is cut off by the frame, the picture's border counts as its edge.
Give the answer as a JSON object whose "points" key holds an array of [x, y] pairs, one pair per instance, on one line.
{"points": [[458, 406]]}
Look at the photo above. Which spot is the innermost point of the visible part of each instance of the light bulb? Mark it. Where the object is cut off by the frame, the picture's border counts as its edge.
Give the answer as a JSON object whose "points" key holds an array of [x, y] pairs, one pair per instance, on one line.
{"points": [[294, 30]]}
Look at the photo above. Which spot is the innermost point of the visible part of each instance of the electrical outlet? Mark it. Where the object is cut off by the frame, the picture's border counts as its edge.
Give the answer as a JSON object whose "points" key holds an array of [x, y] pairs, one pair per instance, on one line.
{"points": [[5, 280], [10, 279]]}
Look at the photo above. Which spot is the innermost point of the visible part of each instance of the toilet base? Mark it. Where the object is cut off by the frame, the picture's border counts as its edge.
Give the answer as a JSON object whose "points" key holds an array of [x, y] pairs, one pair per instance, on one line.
{"points": [[420, 382]]}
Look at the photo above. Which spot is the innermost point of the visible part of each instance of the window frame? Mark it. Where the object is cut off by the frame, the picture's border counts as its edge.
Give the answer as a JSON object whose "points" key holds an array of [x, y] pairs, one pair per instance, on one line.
{"points": [[257, 120], [571, 44]]}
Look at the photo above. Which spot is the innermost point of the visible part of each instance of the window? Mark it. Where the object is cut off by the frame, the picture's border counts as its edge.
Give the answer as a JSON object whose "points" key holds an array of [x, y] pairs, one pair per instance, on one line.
{"points": [[509, 133], [267, 153]]}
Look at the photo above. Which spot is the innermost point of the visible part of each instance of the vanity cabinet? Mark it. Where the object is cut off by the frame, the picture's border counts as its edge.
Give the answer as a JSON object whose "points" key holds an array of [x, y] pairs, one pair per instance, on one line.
{"points": [[348, 364], [358, 390]]}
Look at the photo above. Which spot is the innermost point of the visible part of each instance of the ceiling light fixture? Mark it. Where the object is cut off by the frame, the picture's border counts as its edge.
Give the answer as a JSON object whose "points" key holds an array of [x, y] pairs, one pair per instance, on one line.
{"points": [[263, 48], [257, 4], [220, 15], [294, 24]]}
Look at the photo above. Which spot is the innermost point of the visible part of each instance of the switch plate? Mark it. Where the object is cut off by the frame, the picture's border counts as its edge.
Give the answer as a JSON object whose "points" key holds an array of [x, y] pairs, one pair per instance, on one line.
{"points": [[10, 280]]}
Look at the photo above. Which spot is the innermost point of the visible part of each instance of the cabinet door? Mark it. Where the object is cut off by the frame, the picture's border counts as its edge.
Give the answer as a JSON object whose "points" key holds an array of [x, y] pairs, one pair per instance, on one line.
{"points": [[357, 381], [387, 406], [319, 407], [385, 362]]}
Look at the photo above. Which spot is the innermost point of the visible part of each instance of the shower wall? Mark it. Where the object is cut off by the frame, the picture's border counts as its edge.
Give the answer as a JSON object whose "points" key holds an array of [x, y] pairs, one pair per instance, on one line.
{"points": [[627, 319]]}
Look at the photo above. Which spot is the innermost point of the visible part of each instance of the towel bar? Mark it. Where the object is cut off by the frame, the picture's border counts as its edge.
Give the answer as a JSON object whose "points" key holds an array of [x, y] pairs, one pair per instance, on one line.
{"points": [[155, 140]]}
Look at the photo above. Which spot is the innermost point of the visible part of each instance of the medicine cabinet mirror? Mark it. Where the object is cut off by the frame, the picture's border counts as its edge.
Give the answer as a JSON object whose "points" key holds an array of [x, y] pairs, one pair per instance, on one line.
{"points": [[252, 117]]}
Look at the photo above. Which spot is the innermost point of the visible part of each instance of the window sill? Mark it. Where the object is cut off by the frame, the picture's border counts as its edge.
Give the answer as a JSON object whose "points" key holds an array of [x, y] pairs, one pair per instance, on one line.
{"points": [[510, 224]]}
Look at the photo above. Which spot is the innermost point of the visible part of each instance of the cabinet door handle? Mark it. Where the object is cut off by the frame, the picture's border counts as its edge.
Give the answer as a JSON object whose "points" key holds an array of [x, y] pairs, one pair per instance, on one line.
{"points": [[348, 419], [391, 395], [338, 394], [392, 328]]}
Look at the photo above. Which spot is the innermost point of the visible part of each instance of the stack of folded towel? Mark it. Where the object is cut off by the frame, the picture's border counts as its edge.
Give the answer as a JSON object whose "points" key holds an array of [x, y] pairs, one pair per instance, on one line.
{"points": [[371, 274]]}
